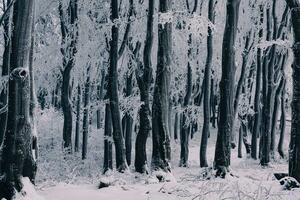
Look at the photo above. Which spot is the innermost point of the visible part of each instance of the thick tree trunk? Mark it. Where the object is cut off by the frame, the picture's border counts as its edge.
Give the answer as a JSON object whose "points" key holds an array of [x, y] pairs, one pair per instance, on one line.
{"points": [[207, 87], [17, 156], [144, 77], [226, 108], [68, 22], [268, 96], [294, 149], [160, 131], [113, 93]]}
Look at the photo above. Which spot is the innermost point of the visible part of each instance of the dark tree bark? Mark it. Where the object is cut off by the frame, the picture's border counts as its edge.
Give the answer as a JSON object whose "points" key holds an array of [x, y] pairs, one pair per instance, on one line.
{"points": [[113, 92], [294, 149], [161, 153], [128, 120], [257, 99], [107, 140], [68, 23], [5, 67], [207, 87], [226, 108], [17, 155], [78, 118], [282, 123], [86, 112], [144, 77], [185, 128]]}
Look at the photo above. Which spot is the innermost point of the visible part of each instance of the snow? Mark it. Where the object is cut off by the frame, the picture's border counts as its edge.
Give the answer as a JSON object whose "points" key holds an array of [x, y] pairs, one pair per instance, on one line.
{"points": [[71, 179]]}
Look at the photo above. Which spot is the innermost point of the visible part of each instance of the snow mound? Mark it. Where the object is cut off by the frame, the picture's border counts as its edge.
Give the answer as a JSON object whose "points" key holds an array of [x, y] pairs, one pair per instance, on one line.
{"points": [[28, 192]]}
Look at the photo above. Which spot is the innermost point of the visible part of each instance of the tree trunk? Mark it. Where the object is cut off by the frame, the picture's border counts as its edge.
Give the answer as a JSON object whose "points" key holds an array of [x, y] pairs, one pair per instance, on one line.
{"points": [[68, 22], [17, 156], [282, 123], [113, 93], [128, 121], [100, 90], [257, 99], [86, 112], [226, 109], [78, 118], [268, 101], [160, 132], [144, 77], [207, 87], [107, 140], [294, 149], [185, 128]]}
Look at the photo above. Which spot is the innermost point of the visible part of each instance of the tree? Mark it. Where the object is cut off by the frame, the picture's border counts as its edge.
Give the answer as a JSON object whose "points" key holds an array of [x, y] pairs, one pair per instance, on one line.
{"points": [[226, 109], [68, 25], [19, 150], [207, 86], [144, 77], [161, 153], [257, 99], [113, 92], [294, 149]]}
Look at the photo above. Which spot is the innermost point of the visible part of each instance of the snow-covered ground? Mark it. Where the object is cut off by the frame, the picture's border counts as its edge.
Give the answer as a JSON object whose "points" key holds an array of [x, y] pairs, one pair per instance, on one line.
{"points": [[73, 179]]}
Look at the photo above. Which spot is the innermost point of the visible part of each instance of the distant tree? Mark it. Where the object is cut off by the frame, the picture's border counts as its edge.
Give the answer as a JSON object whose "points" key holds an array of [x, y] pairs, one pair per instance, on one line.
{"points": [[226, 108], [161, 153], [19, 150]]}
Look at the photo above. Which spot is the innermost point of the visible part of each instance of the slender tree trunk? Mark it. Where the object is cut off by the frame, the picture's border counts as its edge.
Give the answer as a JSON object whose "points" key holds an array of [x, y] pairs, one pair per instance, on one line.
{"points": [[207, 87], [78, 118], [160, 132], [100, 91], [185, 129], [113, 93], [107, 140], [213, 103], [86, 112], [226, 108], [69, 48], [257, 99], [20, 137], [128, 121], [282, 123]]}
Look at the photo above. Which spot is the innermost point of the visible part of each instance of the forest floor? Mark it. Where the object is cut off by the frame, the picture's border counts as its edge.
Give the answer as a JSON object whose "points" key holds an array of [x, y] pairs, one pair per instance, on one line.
{"points": [[70, 178]]}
